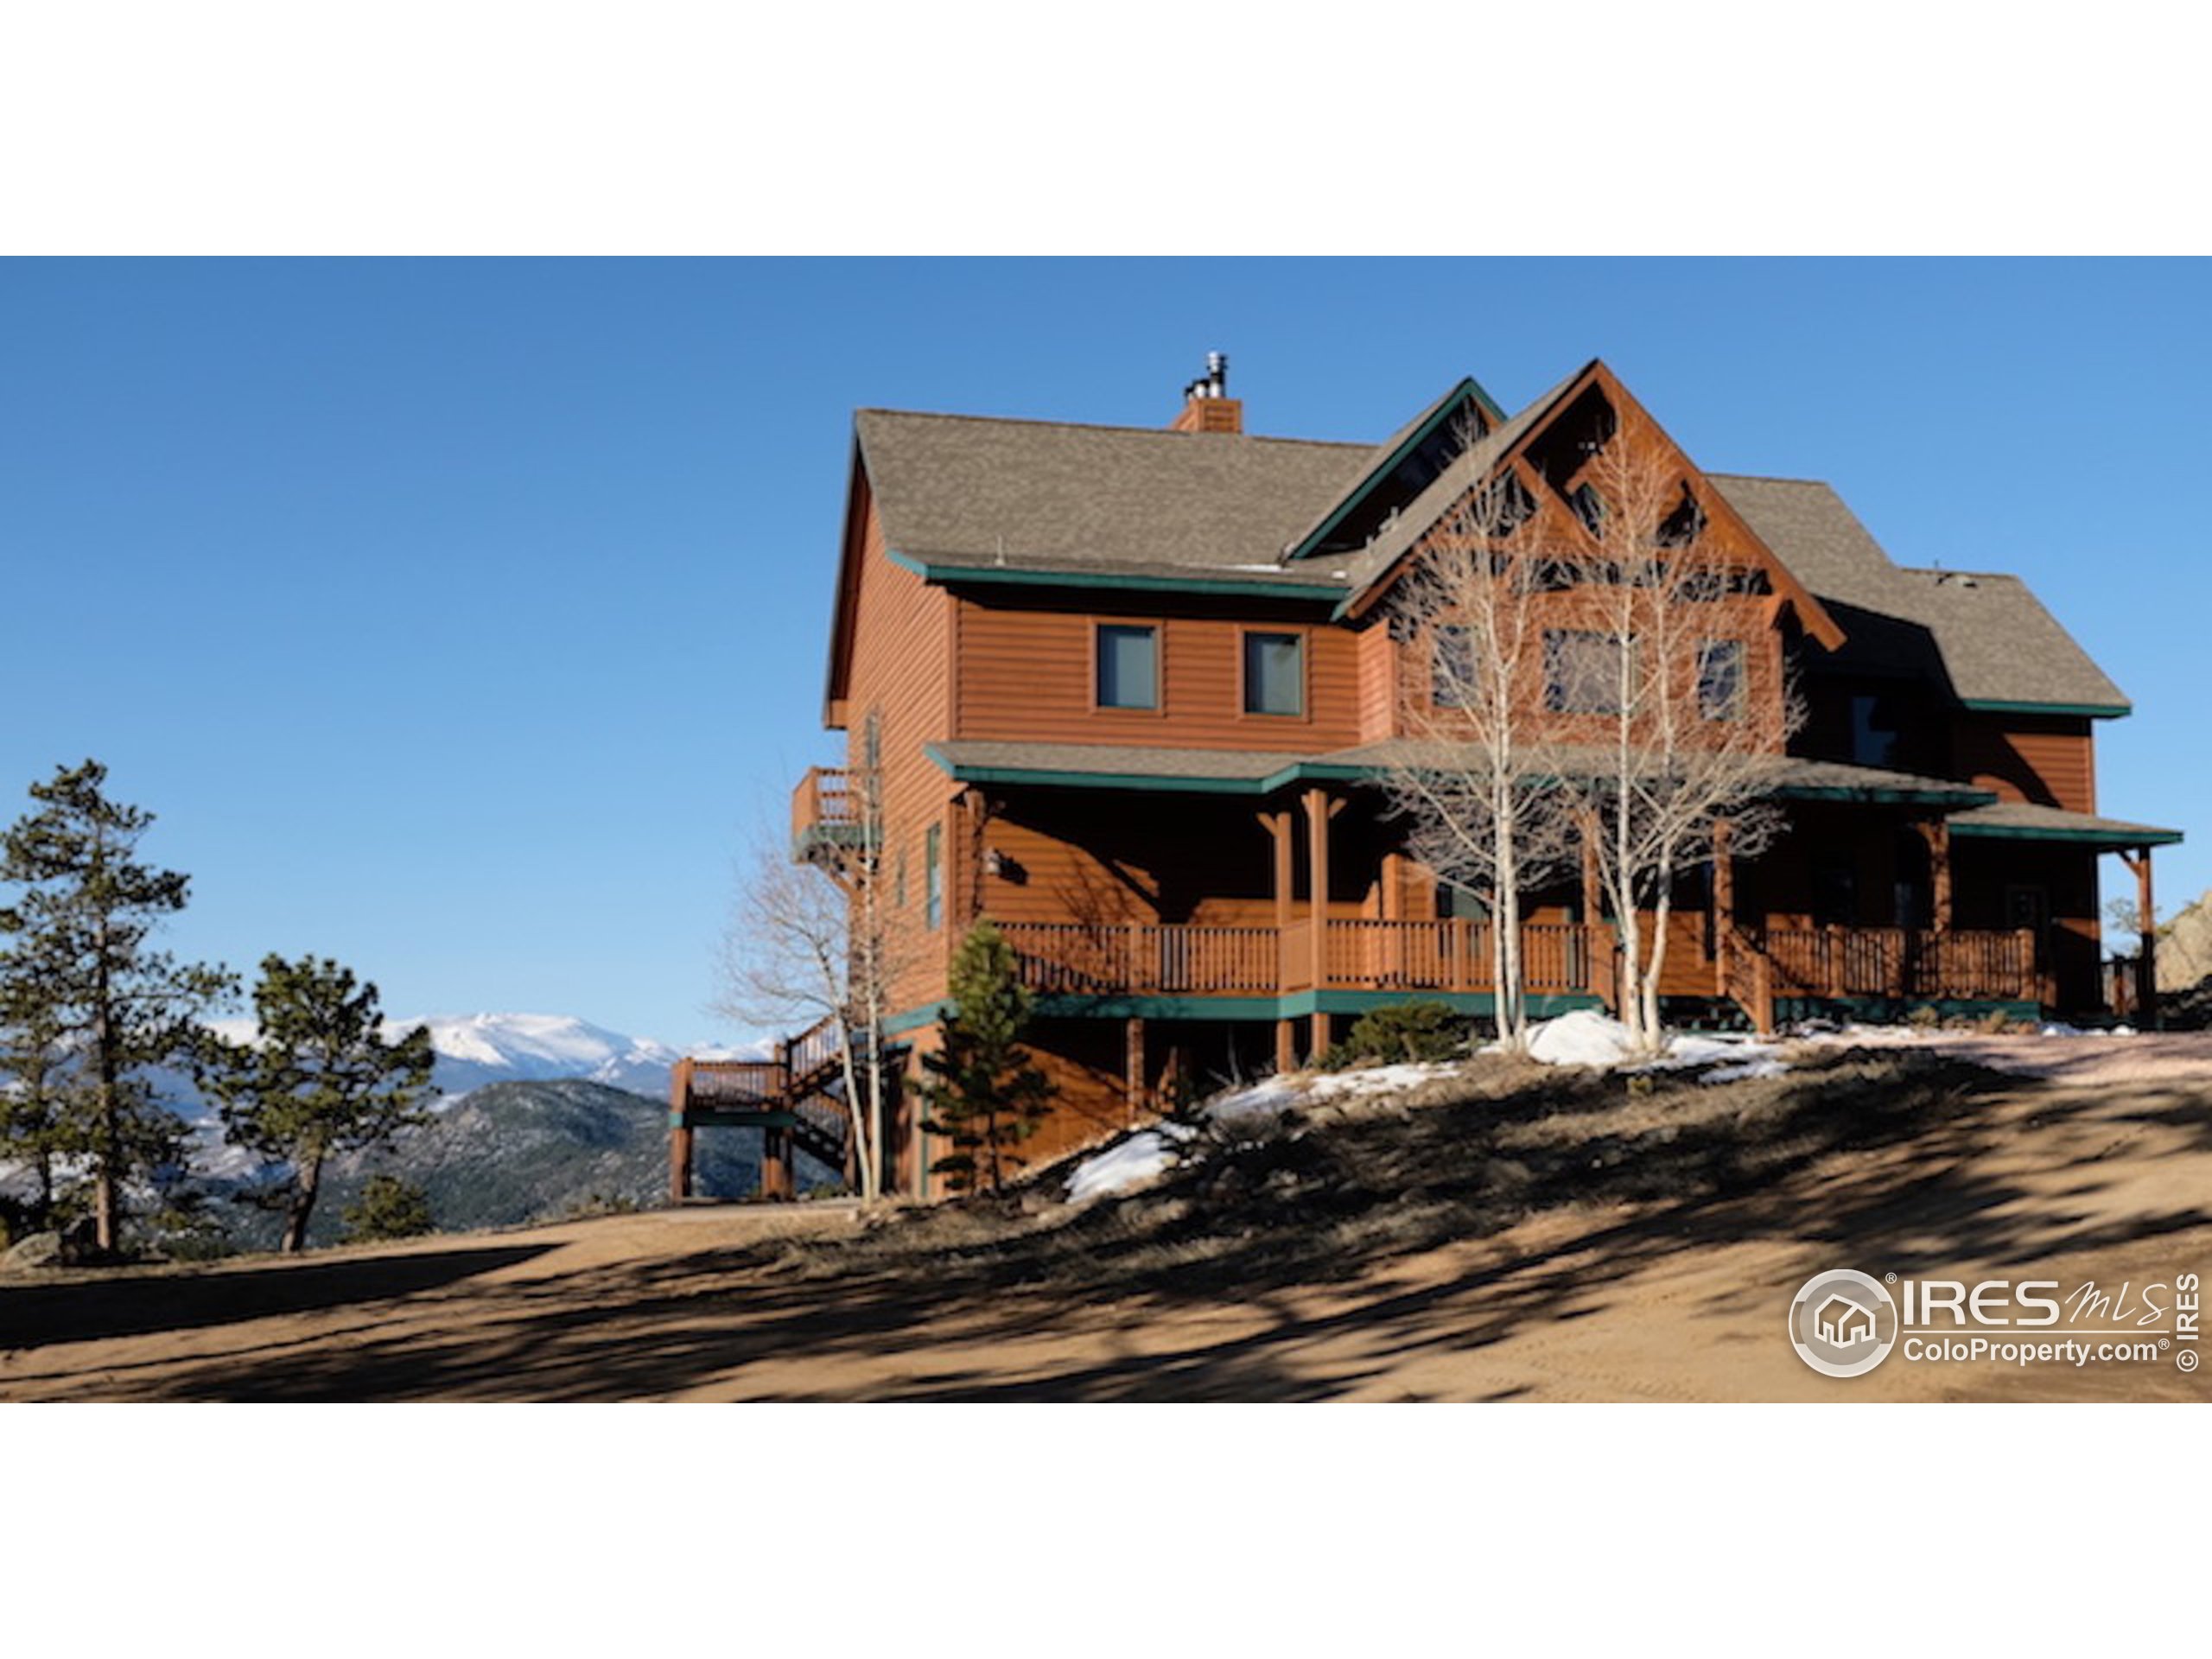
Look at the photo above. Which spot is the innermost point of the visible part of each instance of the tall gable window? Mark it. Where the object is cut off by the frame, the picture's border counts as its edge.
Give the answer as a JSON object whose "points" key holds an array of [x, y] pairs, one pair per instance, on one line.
{"points": [[1583, 671], [1128, 665], [1452, 667], [1720, 679], [1275, 674]]}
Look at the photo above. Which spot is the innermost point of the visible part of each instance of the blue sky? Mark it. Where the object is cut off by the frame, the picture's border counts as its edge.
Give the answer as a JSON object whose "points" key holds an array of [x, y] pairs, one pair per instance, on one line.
{"points": [[460, 618]]}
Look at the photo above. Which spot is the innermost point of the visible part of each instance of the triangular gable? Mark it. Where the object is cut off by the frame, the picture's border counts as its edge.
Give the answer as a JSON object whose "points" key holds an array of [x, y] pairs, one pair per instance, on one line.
{"points": [[1402, 466], [858, 507], [1519, 445]]}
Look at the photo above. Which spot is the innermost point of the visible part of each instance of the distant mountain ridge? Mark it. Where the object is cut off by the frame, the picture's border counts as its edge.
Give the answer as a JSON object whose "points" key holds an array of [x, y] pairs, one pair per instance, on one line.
{"points": [[477, 1049]]}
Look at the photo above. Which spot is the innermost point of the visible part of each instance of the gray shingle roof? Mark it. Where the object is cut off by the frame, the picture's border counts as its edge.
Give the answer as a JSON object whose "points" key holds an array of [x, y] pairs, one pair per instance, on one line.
{"points": [[2029, 822], [1030, 494], [1988, 636]]}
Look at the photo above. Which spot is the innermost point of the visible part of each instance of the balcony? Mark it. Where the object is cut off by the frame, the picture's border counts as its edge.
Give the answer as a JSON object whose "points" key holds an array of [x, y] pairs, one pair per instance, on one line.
{"points": [[1357, 954], [826, 818]]}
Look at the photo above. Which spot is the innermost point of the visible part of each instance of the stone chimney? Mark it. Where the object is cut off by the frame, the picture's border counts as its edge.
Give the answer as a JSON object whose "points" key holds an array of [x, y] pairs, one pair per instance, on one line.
{"points": [[1207, 406]]}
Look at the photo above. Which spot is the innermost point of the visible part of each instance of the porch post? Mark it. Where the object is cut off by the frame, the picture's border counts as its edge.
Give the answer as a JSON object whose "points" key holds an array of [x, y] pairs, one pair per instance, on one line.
{"points": [[1286, 1045], [2146, 957], [1724, 904], [1132, 1070], [1939, 873], [1319, 808], [679, 1162]]}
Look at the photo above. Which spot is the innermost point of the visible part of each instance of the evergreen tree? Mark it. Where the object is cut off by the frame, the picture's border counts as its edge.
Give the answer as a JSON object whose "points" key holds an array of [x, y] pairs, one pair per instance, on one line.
{"points": [[319, 1078], [979, 1090], [81, 977], [388, 1208], [33, 1077]]}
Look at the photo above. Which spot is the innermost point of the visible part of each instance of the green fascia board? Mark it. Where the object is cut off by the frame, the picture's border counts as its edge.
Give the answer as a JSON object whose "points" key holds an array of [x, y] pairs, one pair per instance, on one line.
{"points": [[2146, 837], [2085, 710], [943, 574], [1468, 386], [1963, 796], [1297, 772], [915, 1018]]}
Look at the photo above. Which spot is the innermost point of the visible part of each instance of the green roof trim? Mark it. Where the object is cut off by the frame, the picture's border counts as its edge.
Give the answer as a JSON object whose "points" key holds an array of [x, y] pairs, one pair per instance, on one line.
{"points": [[2085, 710], [944, 575], [1468, 387], [2141, 836], [1964, 794], [1153, 783]]}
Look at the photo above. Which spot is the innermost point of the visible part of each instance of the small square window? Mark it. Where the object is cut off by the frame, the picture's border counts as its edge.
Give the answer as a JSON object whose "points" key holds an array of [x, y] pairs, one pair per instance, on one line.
{"points": [[932, 879], [1720, 679], [1275, 674], [1128, 665], [1583, 672]]}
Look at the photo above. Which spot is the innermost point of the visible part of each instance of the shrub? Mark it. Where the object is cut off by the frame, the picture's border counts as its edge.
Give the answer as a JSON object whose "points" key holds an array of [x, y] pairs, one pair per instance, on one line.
{"points": [[1403, 1031], [388, 1208]]}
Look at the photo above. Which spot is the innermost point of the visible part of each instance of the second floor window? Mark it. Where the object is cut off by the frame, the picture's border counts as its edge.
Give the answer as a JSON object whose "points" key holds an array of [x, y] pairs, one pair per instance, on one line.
{"points": [[1128, 665], [1275, 674], [1452, 668], [1720, 679], [1583, 672]]}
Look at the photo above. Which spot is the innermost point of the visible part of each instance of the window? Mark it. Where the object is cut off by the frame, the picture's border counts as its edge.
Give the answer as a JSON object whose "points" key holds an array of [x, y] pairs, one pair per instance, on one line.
{"points": [[932, 879], [1720, 679], [1128, 665], [1873, 732], [1582, 672], [1452, 667], [1275, 674], [898, 881]]}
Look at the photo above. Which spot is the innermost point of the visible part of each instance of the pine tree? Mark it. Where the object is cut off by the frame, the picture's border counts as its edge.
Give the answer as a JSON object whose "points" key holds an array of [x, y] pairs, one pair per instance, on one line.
{"points": [[79, 973], [981, 1092], [32, 1081], [388, 1208], [319, 1079]]}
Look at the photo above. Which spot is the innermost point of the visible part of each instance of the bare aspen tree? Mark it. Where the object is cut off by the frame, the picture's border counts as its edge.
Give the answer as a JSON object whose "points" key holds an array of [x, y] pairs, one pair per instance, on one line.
{"points": [[1666, 651], [1481, 815], [807, 942]]}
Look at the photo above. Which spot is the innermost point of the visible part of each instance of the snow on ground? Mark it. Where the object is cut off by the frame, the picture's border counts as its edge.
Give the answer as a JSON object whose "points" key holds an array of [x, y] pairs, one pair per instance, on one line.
{"points": [[1586, 1037], [1130, 1162]]}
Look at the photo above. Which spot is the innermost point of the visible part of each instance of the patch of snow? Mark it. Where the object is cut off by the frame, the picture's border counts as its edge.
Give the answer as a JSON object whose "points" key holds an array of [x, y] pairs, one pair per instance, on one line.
{"points": [[1261, 1099], [1765, 1066], [1378, 1079], [1586, 1037], [1129, 1163]]}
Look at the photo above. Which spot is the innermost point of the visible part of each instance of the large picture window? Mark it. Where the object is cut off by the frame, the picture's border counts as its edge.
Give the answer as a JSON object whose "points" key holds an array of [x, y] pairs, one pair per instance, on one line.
{"points": [[1275, 674], [1128, 665], [1583, 671]]}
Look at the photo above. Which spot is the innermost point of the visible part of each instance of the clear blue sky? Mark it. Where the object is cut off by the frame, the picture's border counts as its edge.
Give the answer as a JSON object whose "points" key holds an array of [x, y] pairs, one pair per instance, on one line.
{"points": [[457, 617]]}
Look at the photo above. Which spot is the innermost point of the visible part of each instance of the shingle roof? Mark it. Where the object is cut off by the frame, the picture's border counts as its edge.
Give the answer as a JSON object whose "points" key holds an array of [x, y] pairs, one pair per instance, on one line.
{"points": [[1252, 770], [1988, 636], [2024, 821], [1030, 494]]}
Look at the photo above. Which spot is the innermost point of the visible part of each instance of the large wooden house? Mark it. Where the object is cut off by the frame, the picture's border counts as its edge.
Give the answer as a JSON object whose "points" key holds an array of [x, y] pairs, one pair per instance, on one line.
{"points": [[1125, 692]]}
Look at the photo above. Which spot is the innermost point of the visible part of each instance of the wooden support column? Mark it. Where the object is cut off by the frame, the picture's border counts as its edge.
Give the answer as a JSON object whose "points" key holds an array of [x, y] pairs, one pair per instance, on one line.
{"points": [[777, 1180], [679, 1162], [2147, 955], [1133, 1070], [1724, 903], [1319, 808], [1325, 1034], [1938, 836], [679, 1132], [1286, 1045]]}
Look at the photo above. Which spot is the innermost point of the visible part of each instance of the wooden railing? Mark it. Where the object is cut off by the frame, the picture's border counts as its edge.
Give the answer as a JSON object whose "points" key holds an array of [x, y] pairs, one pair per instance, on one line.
{"points": [[1359, 953], [1899, 962], [825, 799]]}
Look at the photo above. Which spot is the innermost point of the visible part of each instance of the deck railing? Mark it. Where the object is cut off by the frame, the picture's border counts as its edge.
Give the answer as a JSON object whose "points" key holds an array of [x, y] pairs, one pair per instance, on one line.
{"points": [[1359, 953], [824, 807]]}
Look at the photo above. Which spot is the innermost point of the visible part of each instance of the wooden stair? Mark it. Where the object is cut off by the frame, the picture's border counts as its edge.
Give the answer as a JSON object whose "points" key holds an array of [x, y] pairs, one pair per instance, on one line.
{"points": [[792, 1097]]}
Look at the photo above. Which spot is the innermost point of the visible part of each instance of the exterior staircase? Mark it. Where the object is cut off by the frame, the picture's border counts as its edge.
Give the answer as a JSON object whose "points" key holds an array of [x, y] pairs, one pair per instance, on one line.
{"points": [[794, 1097]]}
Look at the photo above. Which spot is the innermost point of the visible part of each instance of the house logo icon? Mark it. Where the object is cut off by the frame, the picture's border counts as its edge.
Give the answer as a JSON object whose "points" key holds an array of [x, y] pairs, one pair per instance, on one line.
{"points": [[1843, 1323]]}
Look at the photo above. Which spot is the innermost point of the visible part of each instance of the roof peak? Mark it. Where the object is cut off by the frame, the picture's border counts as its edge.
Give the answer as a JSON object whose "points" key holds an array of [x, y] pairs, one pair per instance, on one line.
{"points": [[1165, 433]]}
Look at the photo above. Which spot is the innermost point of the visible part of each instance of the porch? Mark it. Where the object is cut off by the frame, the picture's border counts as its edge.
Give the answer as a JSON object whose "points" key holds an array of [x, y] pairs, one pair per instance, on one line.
{"points": [[1756, 966]]}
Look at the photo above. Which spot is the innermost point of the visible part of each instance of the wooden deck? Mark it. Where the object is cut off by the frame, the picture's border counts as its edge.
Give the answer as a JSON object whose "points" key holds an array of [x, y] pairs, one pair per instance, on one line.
{"points": [[1358, 954]]}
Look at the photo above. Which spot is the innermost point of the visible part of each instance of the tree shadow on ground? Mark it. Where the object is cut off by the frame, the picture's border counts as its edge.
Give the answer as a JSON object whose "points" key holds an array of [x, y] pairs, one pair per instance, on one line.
{"points": [[33, 1316], [1284, 1247]]}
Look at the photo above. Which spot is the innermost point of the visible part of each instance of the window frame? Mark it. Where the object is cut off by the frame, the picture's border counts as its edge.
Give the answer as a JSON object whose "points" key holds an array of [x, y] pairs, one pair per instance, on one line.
{"points": [[1156, 628], [1435, 652], [1245, 633], [1555, 691], [1739, 709], [933, 877]]}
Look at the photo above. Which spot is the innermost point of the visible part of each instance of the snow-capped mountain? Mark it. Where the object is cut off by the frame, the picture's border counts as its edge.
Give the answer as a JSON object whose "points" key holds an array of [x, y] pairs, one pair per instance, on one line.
{"points": [[474, 1049]]}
